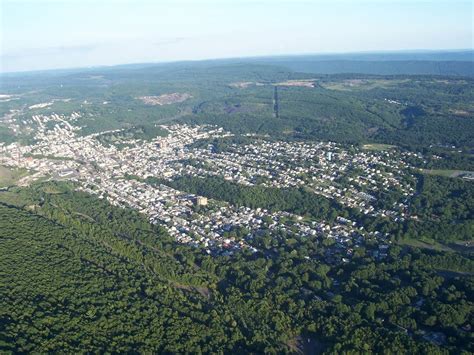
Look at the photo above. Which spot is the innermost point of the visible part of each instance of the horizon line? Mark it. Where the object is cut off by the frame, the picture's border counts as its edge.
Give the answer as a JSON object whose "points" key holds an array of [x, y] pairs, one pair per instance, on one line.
{"points": [[362, 52]]}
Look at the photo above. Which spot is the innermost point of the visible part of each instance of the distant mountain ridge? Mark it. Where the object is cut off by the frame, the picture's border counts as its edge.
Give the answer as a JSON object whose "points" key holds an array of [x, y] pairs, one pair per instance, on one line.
{"points": [[385, 67], [452, 62], [466, 55], [457, 63]]}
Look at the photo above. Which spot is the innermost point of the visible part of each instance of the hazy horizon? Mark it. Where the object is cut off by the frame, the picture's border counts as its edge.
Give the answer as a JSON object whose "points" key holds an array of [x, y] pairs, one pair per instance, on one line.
{"points": [[59, 34], [321, 55]]}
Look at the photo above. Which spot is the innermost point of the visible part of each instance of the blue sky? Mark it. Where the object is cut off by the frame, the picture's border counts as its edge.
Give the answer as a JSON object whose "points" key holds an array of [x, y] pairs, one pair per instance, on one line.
{"points": [[38, 34]]}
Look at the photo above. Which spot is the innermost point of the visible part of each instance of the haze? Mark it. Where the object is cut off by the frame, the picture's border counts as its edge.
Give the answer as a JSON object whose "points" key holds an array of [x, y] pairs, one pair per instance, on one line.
{"points": [[61, 34]]}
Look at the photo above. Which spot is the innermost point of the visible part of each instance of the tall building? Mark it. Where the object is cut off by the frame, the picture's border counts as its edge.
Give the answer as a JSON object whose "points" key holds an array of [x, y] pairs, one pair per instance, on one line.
{"points": [[162, 144], [201, 201]]}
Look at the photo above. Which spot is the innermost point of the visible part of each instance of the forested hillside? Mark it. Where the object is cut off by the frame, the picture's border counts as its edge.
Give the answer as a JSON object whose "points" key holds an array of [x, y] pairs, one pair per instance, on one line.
{"points": [[81, 275]]}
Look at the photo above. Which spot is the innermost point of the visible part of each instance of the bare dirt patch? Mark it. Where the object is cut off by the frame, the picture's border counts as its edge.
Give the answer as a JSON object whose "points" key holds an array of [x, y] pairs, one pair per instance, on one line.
{"points": [[307, 83], [461, 113], [165, 99]]}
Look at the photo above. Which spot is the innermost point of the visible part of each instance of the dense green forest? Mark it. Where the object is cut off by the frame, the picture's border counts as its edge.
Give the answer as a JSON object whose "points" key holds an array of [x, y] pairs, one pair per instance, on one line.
{"points": [[145, 132], [299, 201], [462, 68], [81, 275], [445, 207]]}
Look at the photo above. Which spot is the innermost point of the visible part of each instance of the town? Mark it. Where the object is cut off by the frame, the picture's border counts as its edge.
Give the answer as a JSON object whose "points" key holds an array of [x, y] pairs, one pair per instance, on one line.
{"points": [[350, 175]]}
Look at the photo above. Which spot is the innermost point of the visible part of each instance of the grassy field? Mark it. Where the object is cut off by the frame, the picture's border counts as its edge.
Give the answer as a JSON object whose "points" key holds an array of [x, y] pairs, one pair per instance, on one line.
{"points": [[443, 172], [465, 247], [9, 176], [426, 244], [377, 146]]}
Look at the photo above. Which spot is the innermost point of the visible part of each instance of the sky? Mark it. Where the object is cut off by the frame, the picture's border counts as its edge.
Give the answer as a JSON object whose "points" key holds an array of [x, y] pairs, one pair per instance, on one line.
{"points": [[47, 34]]}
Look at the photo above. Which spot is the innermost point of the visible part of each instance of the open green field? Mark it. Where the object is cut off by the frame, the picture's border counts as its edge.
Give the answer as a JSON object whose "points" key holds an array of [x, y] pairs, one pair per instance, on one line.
{"points": [[426, 244], [9, 177], [6, 135], [444, 172]]}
